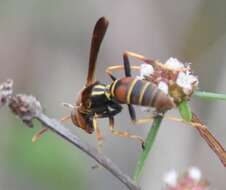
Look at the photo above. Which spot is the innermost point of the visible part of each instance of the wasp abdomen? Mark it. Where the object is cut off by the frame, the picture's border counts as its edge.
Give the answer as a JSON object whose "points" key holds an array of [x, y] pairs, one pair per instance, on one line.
{"points": [[135, 91]]}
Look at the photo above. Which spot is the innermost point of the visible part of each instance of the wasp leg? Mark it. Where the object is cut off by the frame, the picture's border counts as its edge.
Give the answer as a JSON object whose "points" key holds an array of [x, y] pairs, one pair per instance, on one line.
{"points": [[154, 63], [127, 69], [65, 118], [113, 68], [127, 65], [99, 137], [132, 113], [213, 143], [142, 58], [143, 120], [193, 124], [38, 135], [123, 133]]}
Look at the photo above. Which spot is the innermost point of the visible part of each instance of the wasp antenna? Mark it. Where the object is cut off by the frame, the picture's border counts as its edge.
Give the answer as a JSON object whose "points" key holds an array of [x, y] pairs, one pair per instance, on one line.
{"points": [[68, 105]]}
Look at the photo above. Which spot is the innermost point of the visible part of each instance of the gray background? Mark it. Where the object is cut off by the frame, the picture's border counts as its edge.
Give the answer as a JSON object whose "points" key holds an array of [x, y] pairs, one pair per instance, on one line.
{"points": [[44, 47]]}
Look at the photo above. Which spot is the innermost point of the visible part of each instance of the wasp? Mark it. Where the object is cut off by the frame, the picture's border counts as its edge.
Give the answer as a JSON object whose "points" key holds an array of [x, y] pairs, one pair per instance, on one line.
{"points": [[157, 100], [98, 100]]}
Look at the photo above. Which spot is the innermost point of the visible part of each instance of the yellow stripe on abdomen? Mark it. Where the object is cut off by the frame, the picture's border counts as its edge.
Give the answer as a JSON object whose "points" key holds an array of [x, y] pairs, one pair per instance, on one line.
{"points": [[133, 83]]}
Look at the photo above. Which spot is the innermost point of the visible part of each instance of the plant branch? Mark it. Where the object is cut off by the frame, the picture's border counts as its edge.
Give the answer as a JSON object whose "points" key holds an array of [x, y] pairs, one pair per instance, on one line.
{"points": [[60, 130]]}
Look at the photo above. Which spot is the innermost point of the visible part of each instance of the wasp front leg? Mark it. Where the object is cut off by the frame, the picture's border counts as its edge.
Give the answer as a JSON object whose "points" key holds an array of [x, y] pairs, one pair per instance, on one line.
{"points": [[99, 137], [40, 133]]}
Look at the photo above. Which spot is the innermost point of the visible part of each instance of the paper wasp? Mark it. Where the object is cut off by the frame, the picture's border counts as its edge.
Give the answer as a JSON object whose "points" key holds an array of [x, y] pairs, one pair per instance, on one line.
{"points": [[97, 100], [163, 72]]}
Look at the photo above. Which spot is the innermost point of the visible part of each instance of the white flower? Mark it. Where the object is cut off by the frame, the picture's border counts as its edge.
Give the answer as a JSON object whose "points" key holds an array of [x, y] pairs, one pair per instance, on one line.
{"points": [[170, 178], [174, 63], [194, 173], [163, 87], [146, 70], [186, 80]]}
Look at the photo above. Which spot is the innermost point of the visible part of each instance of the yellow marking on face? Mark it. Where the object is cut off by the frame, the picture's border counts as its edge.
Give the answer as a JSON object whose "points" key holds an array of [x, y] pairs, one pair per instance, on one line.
{"points": [[113, 88], [141, 96], [130, 90]]}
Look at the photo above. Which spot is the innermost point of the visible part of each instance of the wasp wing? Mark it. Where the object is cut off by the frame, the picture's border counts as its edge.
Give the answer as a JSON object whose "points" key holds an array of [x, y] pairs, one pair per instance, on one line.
{"points": [[98, 35]]}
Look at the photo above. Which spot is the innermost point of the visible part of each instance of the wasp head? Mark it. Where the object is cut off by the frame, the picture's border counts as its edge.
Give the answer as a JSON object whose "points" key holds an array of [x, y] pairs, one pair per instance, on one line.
{"points": [[82, 120]]}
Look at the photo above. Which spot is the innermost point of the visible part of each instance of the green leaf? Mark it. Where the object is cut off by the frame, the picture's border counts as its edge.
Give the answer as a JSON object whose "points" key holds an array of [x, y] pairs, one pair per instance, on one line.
{"points": [[185, 111], [147, 146], [209, 95]]}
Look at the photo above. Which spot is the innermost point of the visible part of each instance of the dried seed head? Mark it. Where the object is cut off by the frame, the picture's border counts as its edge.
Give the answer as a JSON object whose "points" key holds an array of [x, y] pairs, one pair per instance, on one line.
{"points": [[6, 90], [26, 107]]}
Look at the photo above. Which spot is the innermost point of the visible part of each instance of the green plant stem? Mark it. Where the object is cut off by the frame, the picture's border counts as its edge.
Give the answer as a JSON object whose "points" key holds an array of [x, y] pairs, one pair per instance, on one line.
{"points": [[148, 145], [209, 95], [185, 111]]}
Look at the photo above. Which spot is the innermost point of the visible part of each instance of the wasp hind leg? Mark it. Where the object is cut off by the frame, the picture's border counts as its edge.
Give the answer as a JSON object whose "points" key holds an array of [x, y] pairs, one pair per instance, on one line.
{"points": [[124, 133], [127, 70]]}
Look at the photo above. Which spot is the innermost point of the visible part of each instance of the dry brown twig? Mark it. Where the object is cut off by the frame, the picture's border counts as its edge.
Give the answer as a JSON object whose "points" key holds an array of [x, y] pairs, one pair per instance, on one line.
{"points": [[27, 108]]}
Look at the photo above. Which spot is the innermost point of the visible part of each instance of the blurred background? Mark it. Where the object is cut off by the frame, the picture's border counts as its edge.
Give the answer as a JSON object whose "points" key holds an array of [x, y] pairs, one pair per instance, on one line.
{"points": [[44, 48]]}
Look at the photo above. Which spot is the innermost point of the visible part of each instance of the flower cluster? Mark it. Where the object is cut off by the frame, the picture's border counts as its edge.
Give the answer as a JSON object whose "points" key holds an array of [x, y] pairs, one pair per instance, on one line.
{"points": [[191, 180], [174, 78]]}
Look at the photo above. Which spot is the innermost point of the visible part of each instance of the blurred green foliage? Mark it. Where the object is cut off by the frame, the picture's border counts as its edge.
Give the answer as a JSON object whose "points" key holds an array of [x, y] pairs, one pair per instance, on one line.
{"points": [[50, 161]]}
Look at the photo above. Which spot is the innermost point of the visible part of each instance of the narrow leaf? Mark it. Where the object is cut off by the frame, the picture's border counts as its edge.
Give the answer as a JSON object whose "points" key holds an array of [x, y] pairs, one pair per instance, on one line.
{"points": [[209, 95], [185, 111], [147, 146]]}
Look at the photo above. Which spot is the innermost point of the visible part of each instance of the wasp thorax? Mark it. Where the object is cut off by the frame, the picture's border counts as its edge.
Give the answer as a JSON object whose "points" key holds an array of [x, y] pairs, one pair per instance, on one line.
{"points": [[174, 78]]}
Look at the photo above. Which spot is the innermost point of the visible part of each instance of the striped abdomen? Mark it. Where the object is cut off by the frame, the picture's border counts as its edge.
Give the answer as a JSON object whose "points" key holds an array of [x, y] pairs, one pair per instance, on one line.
{"points": [[135, 91]]}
